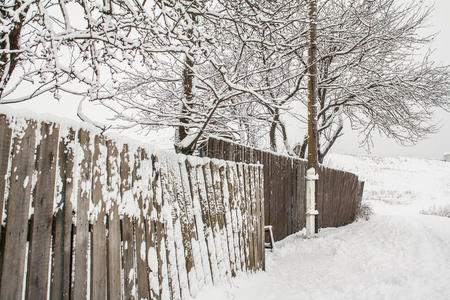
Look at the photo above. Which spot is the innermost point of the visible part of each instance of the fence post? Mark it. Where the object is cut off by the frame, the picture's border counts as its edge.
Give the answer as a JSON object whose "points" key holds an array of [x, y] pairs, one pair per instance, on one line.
{"points": [[311, 212]]}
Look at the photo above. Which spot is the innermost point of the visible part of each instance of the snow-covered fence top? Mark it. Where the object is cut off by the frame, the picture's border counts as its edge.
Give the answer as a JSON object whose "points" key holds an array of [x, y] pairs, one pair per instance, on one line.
{"points": [[339, 193], [87, 216]]}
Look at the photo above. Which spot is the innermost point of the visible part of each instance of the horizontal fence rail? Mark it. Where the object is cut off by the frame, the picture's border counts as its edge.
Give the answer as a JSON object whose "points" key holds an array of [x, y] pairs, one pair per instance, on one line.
{"points": [[339, 193], [86, 216]]}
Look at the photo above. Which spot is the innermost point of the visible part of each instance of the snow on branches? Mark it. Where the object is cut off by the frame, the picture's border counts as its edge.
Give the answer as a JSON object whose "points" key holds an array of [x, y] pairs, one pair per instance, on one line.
{"points": [[234, 69]]}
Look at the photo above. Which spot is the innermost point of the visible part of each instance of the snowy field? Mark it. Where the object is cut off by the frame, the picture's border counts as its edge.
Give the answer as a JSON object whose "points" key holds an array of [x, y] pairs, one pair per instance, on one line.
{"points": [[400, 253]]}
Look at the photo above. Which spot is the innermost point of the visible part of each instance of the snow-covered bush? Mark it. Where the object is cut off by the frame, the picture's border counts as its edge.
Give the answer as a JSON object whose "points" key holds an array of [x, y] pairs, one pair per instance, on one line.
{"points": [[443, 211], [364, 211]]}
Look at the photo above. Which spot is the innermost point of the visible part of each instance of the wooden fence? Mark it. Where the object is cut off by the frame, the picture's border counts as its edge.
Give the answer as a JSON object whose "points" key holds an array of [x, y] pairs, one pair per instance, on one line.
{"points": [[339, 193], [86, 216]]}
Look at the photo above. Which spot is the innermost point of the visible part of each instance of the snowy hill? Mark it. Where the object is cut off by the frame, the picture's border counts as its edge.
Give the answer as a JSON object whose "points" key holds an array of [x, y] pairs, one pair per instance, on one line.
{"points": [[399, 185], [398, 254]]}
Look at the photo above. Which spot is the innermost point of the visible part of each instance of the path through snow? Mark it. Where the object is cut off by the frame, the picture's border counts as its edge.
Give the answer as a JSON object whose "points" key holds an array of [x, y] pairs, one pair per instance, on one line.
{"points": [[397, 254]]}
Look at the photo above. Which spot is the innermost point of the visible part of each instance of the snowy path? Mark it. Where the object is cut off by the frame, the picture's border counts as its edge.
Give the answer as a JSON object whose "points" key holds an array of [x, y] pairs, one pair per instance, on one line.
{"points": [[397, 254]]}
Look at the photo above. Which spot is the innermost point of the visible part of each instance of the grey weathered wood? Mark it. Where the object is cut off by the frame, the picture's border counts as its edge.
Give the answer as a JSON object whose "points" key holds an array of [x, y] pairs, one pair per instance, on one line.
{"points": [[234, 219], [266, 163], [337, 196], [342, 202], [227, 198], [164, 290], [167, 200], [152, 233], [128, 246], [320, 185], [352, 199], [279, 199], [331, 180], [326, 199], [174, 197], [194, 267], [98, 248], [254, 215], [291, 210], [200, 226], [220, 215], [43, 197], [239, 220], [128, 256], [62, 241], [208, 227], [114, 282], [17, 208], [5, 143], [259, 218], [82, 223], [303, 192], [284, 189], [262, 223], [214, 222], [140, 184], [248, 214], [244, 218]]}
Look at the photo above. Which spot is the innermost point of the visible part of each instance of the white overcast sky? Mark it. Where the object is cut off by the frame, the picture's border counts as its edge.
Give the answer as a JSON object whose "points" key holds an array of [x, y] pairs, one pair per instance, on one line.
{"points": [[437, 144], [433, 147]]}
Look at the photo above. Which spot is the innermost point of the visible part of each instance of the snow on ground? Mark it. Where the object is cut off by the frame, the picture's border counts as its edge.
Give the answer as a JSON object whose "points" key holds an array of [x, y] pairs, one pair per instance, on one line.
{"points": [[397, 254], [399, 185]]}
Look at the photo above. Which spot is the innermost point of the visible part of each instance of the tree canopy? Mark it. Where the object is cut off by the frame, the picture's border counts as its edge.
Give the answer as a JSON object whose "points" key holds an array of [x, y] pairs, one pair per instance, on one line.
{"points": [[235, 69]]}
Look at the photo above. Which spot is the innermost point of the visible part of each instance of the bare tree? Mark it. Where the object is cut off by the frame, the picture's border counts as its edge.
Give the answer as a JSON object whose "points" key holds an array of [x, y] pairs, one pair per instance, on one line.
{"points": [[235, 75], [228, 68], [50, 45], [369, 72]]}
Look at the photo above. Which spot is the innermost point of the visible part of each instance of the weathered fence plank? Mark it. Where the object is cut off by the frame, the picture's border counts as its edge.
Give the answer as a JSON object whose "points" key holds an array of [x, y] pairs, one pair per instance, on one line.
{"points": [[248, 197], [243, 217], [17, 209], [127, 204], [168, 198], [5, 143], [152, 233], [208, 227], [38, 268], [325, 177], [98, 247], [164, 290], [82, 222], [220, 214], [261, 220], [201, 226], [114, 266], [239, 221], [228, 221], [191, 246], [140, 184], [213, 216], [233, 232], [62, 241], [175, 193], [254, 213]]}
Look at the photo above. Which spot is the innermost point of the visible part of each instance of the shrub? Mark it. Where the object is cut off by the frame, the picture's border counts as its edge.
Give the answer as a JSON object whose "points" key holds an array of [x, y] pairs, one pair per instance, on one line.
{"points": [[364, 211]]}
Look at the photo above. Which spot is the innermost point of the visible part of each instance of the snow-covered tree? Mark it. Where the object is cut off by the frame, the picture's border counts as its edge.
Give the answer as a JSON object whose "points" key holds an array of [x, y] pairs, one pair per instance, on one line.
{"points": [[370, 73], [67, 46], [227, 68]]}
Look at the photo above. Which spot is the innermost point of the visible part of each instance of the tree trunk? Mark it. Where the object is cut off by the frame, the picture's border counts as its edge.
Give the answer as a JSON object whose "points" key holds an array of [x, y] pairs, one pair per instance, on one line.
{"points": [[312, 86], [182, 131], [311, 177], [8, 61]]}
